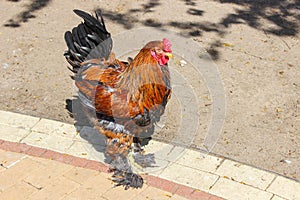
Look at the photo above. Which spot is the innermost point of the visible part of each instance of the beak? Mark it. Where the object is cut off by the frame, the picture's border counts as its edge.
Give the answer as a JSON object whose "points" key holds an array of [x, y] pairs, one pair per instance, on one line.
{"points": [[169, 55]]}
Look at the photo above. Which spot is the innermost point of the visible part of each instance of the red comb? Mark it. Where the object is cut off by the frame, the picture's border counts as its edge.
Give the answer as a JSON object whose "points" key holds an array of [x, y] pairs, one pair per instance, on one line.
{"points": [[167, 45]]}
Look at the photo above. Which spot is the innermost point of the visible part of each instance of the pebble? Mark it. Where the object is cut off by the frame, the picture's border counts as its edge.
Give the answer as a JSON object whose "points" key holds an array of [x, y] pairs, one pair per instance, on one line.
{"points": [[182, 63], [286, 161], [5, 65]]}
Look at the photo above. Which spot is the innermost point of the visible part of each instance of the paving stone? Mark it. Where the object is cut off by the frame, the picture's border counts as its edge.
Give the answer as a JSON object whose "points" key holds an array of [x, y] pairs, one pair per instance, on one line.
{"points": [[184, 191], [56, 189], [286, 188], [88, 195], [9, 158], [151, 193], [79, 175], [12, 134], [79, 149], [197, 194], [191, 193], [87, 150], [53, 142], [2, 169], [97, 166], [20, 190], [170, 155], [15, 147], [35, 151], [164, 151], [199, 161], [89, 144], [229, 189], [215, 198], [79, 162], [245, 174], [153, 181], [17, 172], [53, 155], [189, 176], [92, 188], [17, 120], [118, 193], [177, 197], [47, 172], [275, 197], [90, 135], [55, 127], [163, 184]]}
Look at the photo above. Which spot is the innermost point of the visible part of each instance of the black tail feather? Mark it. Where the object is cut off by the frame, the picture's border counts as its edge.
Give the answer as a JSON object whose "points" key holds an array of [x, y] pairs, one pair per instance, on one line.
{"points": [[92, 21], [75, 35], [69, 40], [88, 40], [82, 34], [98, 13]]}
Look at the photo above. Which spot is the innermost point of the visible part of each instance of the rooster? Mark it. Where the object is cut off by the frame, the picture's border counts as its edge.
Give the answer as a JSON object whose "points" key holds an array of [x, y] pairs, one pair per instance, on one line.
{"points": [[122, 100]]}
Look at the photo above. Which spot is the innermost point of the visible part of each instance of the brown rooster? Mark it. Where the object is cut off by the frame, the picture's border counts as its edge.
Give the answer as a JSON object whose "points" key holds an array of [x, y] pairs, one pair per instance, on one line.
{"points": [[122, 100]]}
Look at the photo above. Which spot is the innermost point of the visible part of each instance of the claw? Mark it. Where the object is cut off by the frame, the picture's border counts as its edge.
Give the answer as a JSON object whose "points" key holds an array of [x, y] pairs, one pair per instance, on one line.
{"points": [[127, 179], [138, 149]]}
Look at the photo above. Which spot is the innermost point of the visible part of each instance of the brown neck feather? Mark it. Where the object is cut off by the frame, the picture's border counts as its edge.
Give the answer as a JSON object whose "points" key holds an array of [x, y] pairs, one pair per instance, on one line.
{"points": [[143, 70]]}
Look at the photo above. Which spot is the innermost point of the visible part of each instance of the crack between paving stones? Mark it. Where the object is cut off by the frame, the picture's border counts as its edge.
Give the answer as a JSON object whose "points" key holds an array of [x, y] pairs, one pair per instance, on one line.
{"points": [[210, 187], [20, 141], [171, 150], [35, 125], [219, 165], [276, 195], [36, 187], [30, 131], [272, 197], [271, 183]]}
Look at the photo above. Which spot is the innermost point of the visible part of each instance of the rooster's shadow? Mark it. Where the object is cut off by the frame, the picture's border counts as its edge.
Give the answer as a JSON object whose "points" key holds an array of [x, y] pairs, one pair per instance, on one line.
{"points": [[86, 131]]}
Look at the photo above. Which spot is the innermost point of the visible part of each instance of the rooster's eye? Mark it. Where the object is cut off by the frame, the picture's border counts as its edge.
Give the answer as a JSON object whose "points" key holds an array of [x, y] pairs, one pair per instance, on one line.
{"points": [[159, 51]]}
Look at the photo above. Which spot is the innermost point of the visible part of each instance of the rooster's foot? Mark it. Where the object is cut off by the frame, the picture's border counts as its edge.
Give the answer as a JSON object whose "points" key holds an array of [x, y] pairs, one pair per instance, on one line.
{"points": [[127, 179]]}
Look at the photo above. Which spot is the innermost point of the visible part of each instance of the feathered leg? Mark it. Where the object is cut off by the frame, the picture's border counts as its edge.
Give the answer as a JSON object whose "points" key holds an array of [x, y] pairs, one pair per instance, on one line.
{"points": [[118, 146], [142, 159], [122, 173]]}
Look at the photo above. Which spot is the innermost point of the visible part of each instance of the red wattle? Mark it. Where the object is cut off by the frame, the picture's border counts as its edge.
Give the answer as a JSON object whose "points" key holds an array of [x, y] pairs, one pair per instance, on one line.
{"points": [[162, 60]]}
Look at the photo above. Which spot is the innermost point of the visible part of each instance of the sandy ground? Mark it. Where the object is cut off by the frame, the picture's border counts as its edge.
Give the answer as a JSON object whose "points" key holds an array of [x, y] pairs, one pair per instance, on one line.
{"points": [[254, 44]]}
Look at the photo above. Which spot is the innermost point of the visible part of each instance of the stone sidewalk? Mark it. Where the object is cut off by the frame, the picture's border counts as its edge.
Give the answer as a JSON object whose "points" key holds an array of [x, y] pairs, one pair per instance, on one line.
{"points": [[45, 159], [42, 174]]}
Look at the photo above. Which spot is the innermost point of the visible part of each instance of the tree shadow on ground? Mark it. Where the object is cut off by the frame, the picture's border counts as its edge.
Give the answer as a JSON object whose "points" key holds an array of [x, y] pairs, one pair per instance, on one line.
{"points": [[276, 17], [283, 15], [27, 14]]}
